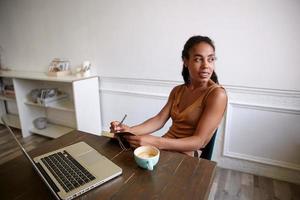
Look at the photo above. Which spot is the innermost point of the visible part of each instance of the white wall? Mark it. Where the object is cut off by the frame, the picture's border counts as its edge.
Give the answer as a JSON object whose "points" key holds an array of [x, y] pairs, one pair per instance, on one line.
{"points": [[257, 47], [257, 41]]}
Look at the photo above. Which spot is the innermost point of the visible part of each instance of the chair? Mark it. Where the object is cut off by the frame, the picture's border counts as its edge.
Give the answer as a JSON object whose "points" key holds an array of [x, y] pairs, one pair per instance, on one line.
{"points": [[207, 151]]}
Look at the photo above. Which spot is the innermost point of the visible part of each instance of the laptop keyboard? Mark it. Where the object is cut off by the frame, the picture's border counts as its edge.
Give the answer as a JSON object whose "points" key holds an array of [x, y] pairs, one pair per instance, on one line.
{"points": [[67, 171]]}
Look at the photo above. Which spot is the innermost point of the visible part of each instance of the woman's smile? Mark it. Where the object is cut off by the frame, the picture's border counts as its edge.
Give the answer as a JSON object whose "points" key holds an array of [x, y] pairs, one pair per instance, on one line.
{"points": [[203, 74]]}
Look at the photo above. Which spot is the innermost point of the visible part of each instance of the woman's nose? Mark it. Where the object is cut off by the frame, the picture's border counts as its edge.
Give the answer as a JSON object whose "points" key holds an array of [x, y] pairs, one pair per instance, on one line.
{"points": [[205, 63]]}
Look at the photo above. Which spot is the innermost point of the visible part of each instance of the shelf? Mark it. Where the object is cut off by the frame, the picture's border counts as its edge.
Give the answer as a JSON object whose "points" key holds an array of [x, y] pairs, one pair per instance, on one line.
{"points": [[65, 105], [52, 131], [41, 76], [12, 120], [2, 97]]}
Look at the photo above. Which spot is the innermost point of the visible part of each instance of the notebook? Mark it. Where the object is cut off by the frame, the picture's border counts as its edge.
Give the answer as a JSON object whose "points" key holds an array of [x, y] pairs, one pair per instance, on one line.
{"points": [[119, 136], [73, 170]]}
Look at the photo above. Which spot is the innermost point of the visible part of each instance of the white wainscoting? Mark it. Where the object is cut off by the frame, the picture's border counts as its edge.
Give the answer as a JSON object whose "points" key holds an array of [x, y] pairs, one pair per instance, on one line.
{"points": [[263, 134], [259, 134]]}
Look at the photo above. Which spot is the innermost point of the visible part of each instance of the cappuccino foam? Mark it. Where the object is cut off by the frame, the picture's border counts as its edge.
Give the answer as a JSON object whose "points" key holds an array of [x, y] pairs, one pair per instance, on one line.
{"points": [[146, 154]]}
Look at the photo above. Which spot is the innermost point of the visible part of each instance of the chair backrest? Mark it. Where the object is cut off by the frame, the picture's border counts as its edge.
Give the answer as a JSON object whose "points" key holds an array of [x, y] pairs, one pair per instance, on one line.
{"points": [[207, 151]]}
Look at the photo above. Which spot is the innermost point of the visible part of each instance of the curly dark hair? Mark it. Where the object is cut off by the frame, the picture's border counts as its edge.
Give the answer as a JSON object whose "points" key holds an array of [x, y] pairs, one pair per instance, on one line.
{"points": [[185, 55]]}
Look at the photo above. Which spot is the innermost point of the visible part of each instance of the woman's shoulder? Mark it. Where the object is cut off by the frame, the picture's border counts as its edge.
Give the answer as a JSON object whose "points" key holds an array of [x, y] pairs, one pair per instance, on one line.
{"points": [[213, 87], [175, 91], [178, 87], [217, 93]]}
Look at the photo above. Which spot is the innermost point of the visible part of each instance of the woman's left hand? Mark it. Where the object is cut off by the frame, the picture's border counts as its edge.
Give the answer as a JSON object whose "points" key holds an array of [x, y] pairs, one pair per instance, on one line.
{"points": [[142, 140]]}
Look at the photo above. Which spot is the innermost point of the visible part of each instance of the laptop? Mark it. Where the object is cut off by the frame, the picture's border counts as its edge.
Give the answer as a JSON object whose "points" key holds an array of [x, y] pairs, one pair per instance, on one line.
{"points": [[73, 170]]}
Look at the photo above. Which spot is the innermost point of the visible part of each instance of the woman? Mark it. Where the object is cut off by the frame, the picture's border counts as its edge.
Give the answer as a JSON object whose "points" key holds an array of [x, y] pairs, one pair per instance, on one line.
{"points": [[195, 107]]}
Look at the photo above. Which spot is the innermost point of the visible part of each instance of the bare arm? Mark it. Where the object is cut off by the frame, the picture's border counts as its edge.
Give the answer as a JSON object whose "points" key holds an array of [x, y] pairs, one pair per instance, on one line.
{"points": [[208, 122], [151, 125]]}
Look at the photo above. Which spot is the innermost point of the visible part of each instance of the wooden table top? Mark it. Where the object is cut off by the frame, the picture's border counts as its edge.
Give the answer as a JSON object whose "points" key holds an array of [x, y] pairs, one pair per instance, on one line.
{"points": [[176, 176]]}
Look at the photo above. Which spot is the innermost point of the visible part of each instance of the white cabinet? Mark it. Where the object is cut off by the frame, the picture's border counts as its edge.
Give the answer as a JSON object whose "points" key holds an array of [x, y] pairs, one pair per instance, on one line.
{"points": [[81, 110]]}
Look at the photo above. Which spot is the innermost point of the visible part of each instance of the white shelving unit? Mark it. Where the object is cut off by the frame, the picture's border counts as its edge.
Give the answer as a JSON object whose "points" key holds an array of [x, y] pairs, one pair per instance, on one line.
{"points": [[81, 110], [65, 105], [5, 98], [12, 120], [52, 130]]}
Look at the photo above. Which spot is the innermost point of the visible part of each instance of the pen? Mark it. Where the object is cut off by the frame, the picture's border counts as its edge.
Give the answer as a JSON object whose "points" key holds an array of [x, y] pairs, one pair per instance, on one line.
{"points": [[122, 120], [119, 140], [118, 137]]}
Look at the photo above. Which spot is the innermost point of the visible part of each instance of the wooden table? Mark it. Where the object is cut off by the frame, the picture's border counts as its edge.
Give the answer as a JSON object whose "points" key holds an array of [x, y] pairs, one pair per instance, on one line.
{"points": [[176, 176]]}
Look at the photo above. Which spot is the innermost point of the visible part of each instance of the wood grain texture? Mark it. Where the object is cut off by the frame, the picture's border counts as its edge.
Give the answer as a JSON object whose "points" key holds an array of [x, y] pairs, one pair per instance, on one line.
{"points": [[175, 176], [9, 148], [163, 182]]}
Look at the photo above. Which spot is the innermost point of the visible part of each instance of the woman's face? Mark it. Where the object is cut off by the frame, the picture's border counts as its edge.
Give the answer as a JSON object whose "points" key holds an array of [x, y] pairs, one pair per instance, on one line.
{"points": [[201, 62]]}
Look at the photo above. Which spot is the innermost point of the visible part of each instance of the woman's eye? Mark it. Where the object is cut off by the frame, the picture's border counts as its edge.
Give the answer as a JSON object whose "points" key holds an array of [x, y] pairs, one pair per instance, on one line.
{"points": [[211, 59], [198, 59]]}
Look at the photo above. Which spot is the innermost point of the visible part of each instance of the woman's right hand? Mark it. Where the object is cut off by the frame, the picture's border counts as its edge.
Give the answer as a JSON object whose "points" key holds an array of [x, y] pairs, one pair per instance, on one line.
{"points": [[116, 127]]}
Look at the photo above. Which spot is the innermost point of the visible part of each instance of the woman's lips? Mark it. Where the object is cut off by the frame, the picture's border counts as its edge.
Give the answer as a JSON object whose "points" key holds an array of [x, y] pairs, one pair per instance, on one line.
{"points": [[204, 74]]}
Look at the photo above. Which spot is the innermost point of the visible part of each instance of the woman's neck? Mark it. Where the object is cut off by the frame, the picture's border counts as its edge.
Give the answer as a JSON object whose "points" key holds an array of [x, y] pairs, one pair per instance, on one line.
{"points": [[198, 85]]}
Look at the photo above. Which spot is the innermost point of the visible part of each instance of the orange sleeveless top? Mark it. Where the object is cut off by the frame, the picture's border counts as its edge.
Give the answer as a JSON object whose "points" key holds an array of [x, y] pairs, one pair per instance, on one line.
{"points": [[184, 123]]}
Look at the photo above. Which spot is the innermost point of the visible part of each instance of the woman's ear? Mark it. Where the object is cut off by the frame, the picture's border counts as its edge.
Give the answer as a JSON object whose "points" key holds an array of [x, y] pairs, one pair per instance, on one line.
{"points": [[185, 61]]}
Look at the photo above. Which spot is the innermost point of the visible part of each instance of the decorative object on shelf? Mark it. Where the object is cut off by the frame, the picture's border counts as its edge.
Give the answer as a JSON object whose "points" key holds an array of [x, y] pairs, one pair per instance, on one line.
{"points": [[84, 70], [44, 96], [9, 91], [1, 50], [2, 68], [40, 123], [1, 87], [59, 67], [34, 95]]}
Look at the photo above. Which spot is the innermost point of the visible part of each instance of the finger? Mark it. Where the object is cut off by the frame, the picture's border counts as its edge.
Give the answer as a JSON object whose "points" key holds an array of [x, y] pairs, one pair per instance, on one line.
{"points": [[112, 129], [131, 137], [122, 128], [112, 126], [134, 144], [134, 141], [116, 126], [114, 123]]}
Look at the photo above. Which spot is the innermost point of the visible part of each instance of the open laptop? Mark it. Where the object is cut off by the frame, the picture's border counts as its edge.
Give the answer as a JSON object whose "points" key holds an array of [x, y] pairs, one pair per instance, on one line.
{"points": [[73, 170]]}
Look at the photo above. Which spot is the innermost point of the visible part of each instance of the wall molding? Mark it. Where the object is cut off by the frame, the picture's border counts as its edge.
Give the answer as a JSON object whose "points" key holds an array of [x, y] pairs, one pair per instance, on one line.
{"points": [[264, 91], [139, 81], [137, 87], [236, 155], [134, 85], [134, 94], [263, 107]]}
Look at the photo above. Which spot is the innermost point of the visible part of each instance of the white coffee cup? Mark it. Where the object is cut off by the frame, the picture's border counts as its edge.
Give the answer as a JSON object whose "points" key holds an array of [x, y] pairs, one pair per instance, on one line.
{"points": [[146, 156]]}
